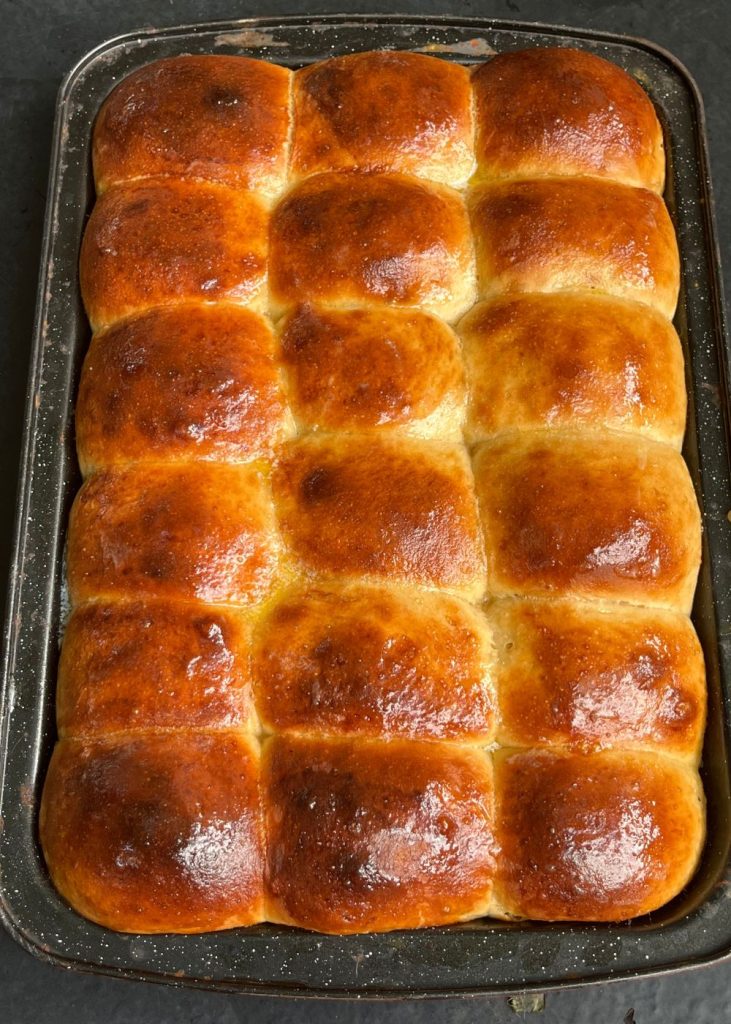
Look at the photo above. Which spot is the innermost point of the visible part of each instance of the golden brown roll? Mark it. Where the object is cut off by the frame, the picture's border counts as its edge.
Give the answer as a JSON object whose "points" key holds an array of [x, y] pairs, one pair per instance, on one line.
{"points": [[572, 360], [368, 836], [558, 111], [381, 507], [585, 675], [593, 837], [155, 243], [202, 531], [142, 664], [376, 661], [156, 833], [384, 111], [589, 515], [180, 383], [360, 368], [217, 118], [360, 239], [568, 234]]}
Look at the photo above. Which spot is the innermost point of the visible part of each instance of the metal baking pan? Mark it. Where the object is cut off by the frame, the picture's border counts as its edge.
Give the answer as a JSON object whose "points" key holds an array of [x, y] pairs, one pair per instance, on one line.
{"points": [[477, 957]]}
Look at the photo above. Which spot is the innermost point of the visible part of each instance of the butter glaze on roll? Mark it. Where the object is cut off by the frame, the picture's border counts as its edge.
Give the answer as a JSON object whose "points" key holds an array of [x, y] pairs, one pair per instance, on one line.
{"points": [[595, 516], [222, 119], [357, 369], [354, 239], [570, 360], [157, 243], [193, 532], [165, 830], [597, 837], [375, 661], [384, 111], [179, 383], [568, 234], [145, 664], [367, 836], [398, 509], [559, 111], [578, 674]]}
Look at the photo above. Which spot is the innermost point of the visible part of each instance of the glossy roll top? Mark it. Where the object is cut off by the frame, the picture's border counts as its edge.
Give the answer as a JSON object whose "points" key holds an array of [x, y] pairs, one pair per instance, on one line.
{"points": [[559, 111], [157, 243], [568, 234], [572, 360], [384, 111], [157, 833], [222, 119], [354, 239], [153, 664], [585, 675], [401, 509], [375, 660], [593, 837], [368, 836], [180, 383], [589, 515], [200, 531], [358, 369]]}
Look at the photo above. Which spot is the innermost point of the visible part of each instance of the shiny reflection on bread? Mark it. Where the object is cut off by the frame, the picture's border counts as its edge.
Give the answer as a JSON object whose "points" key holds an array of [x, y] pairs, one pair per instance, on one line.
{"points": [[365, 368], [588, 676], [560, 111], [572, 359], [381, 507], [142, 664], [185, 382], [593, 837], [215, 118], [156, 833], [374, 660], [157, 243], [384, 111], [568, 234], [367, 239], [591, 515], [370, 836], [202, 531]]}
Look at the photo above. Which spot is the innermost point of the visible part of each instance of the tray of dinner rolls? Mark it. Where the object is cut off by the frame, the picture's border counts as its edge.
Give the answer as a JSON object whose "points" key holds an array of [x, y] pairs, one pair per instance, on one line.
{"points": [[369, 614]]}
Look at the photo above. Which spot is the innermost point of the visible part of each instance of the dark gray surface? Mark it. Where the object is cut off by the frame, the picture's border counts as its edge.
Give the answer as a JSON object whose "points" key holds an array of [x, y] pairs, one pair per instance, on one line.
{"points": [[38, 43]]}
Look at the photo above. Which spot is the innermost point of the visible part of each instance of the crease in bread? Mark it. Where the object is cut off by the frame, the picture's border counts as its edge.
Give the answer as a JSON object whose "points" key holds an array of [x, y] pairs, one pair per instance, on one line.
{"points": [[378, 622]]}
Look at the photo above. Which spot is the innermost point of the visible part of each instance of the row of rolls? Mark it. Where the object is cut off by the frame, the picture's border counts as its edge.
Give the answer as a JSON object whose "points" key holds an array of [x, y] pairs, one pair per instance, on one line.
{"points": [[381, 568]]}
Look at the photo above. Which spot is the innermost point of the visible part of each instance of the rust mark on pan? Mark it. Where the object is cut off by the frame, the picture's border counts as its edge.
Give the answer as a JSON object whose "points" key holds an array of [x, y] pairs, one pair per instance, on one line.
{"points": [[248, 38], [471, 47]]}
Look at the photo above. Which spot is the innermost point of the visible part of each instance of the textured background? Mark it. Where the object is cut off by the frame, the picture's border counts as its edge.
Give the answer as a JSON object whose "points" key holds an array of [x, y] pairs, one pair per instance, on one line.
{"points": [[39, 42]]}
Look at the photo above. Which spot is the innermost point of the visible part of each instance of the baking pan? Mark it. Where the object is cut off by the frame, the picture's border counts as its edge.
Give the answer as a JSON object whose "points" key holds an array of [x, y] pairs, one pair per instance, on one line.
{"points": [[476, 957]]}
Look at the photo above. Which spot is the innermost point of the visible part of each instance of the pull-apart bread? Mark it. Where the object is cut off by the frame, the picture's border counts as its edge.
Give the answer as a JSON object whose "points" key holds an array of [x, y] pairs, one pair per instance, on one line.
{"points": [[381, 568]]}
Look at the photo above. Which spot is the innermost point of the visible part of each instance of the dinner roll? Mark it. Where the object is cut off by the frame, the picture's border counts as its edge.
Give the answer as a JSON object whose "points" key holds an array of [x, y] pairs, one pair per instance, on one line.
{"points": [[349, 240], [214, 118], [158, 243], [564, 234], [589, 515], [356, 369], [157, 833], [198, 531], [153, 664], [570, 360], [593, 837], [368, 836], [384, 111], [179, 383], [374, 660], [561, 111]]}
